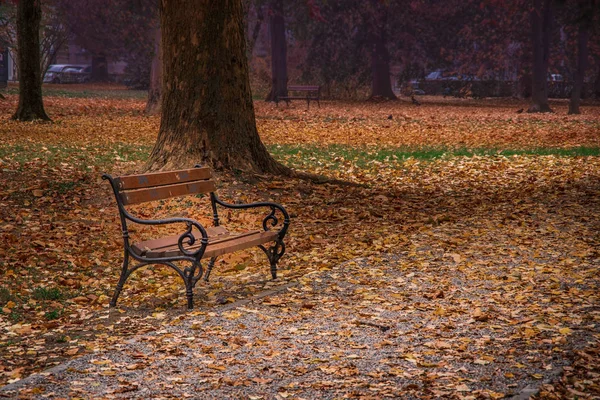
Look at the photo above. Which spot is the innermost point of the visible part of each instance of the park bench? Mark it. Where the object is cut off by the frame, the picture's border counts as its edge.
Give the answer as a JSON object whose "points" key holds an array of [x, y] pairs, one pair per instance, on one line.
{"points": [[308, 93], [196, 242]]}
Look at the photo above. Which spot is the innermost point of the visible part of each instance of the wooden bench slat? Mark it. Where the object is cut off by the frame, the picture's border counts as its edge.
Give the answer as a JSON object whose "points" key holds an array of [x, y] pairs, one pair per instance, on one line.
{"points": [[303, 88], [140, 181], [214, 233], [165, 192], [297, 98], [239, 243], [219, 245]]}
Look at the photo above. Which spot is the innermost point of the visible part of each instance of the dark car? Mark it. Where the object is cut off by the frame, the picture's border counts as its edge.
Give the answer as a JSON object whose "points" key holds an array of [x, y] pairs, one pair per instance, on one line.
{"points": [[79, 74], [68, 73]]}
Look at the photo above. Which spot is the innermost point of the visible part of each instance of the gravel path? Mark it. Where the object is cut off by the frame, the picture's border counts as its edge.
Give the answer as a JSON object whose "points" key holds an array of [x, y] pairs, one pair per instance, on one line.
{"points": [[386, 327]]}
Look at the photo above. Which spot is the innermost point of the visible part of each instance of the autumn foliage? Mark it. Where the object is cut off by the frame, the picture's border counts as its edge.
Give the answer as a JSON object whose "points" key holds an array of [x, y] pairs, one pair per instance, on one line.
{"points": [[462, 216]]}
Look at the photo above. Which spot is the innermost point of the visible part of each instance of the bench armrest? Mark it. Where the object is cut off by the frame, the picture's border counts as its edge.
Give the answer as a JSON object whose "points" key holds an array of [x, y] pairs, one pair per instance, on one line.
{"points": [[186, 238], [271, 217]]}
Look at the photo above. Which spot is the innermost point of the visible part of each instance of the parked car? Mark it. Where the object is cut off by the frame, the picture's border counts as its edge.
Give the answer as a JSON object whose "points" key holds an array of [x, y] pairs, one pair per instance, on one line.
{"points": [[442, 76], [555, 78], [68, 73], [79, 74]]}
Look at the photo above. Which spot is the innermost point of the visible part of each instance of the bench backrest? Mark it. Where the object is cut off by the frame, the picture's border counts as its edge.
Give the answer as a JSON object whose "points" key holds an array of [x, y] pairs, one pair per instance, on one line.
{"points": [[135, 189], [303, 88]]}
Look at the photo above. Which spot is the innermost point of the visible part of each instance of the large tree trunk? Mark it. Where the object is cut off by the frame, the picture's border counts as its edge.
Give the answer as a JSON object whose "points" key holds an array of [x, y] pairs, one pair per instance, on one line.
{"points": [[207, 110], [597, 83], [278, 52], [541, 24], [154, 99], [580, 73], [31, 106], [381, 86]]}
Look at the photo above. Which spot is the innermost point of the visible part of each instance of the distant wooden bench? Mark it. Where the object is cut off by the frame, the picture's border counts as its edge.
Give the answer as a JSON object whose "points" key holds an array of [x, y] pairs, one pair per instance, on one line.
{"points": [[195, 242], [309, 93]]}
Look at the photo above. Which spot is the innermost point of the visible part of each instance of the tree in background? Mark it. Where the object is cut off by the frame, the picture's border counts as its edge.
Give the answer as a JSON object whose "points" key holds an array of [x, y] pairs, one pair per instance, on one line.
{"points": [[336, 47], [53, 31], [353, 44], [541, 26], [492, 40], [580, 16], [117, 29], [31, 106], [207, 109], [155, 88], [279, 67], [376, 21]]}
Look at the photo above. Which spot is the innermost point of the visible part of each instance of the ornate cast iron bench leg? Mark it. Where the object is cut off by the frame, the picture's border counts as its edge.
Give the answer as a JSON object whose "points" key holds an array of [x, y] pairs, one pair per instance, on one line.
{"points": [[122, 279], [209, 268], [274, 253], [191, 276]]}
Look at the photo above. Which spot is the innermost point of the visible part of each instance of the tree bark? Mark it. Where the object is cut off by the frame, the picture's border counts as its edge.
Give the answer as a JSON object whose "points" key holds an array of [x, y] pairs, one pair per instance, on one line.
{"points": [[99, 68], [154, 99], [381, 86], [582, 40], [207, 110], [279, 76], [597, 83], [541, 21], [31, 105], [260, 16]]}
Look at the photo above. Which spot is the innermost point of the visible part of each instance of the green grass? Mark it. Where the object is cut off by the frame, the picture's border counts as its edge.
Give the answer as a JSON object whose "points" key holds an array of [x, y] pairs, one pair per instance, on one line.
{"points": [[43, 293], [51, 315], [313, 155], [76, 92], [5, 296], [88, 157]]}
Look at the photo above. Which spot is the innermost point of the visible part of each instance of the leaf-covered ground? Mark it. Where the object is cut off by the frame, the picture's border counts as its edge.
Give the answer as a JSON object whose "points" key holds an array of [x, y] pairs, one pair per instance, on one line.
{"points": [[476, 235]]}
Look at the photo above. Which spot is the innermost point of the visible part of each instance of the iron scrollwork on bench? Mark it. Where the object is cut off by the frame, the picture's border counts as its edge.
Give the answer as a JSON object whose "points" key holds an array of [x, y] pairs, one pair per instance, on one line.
{"points": [[277, 250]]}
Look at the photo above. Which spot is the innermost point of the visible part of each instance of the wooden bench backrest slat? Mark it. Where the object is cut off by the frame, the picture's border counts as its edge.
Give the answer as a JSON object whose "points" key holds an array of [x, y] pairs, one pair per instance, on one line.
{"points": [[130, 182], [165, 192], [301, 88]]}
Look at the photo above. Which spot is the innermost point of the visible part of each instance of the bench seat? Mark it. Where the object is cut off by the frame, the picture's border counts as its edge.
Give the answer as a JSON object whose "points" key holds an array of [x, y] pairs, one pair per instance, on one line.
{"points": [[220, 241]]}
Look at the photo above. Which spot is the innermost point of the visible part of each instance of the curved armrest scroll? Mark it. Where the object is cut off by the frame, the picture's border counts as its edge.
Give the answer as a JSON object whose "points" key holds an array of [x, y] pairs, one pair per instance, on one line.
{"points": [[271, 217]]}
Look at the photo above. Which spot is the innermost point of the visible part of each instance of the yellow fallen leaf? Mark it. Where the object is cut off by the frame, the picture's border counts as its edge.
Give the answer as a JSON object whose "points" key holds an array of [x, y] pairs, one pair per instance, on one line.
{"points": [[73, 351], [462, 388]]}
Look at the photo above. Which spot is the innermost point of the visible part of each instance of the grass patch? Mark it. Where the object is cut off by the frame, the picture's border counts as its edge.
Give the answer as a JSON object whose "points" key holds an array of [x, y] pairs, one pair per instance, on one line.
{"points": [[78, 92], [52, 315], [313, 155], [43, 293], [5, 296]]}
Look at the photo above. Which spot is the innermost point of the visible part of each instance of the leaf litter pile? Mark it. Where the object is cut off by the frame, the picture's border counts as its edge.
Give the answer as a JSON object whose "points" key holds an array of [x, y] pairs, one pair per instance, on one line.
{"points": [[439, 275]]}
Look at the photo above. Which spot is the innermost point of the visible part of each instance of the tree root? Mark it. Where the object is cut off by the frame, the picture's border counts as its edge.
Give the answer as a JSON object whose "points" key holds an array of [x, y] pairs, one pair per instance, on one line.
{"points": [[321, 179]]}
